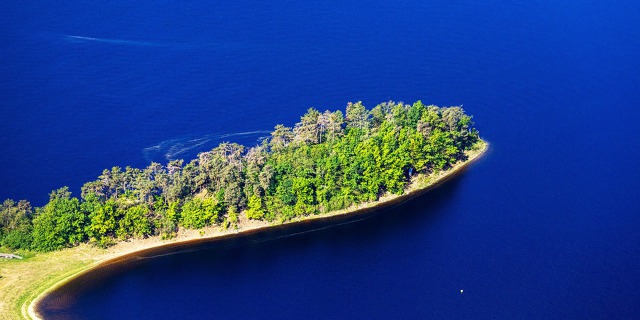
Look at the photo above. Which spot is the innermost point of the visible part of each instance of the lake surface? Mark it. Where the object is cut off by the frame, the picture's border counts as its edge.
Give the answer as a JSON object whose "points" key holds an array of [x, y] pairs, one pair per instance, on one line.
{"points": [[546, 225]]}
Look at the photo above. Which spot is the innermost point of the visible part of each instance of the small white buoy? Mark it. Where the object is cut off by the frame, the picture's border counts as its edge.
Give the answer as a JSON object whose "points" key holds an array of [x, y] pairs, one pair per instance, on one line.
{"points": [[461, 291]]}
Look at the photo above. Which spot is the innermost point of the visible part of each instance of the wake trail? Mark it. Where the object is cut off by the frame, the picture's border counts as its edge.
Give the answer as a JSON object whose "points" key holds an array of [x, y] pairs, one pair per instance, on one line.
{"points": [[215, 46], [171, 149], [80, 39]]}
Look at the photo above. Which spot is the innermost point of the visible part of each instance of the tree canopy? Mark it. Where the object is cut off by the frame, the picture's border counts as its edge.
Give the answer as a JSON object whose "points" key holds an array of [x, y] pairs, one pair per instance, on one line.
{"points": [[327, 161]]}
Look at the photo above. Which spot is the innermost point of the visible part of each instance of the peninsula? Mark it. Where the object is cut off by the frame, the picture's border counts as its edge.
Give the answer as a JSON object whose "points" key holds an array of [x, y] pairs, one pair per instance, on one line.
{"points": [[328, 164]]}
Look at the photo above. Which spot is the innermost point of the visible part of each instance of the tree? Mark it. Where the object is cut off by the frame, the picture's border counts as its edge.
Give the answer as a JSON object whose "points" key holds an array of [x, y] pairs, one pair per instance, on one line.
{"points": [[329, 161], [451, 117], [198, 213], [103, 219], [430, 120], [167, 219], [13, 215], [399, 115], [147, 184], [222, 168], [254, 162], [134, 223], [440, 149], [357, 116], [415, 113], [15, 224], [330, 125], [280, 138], [254, 210], [308, 130], [380, 112], [60, 223]]}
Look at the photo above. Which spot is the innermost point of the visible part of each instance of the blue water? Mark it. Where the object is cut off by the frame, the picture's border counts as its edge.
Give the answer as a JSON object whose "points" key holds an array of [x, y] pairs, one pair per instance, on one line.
{"points": [[546, 225]]}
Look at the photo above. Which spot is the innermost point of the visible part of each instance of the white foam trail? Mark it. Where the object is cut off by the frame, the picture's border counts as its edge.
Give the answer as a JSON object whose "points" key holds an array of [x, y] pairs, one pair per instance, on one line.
{"points": [[222, 46], [73, 38], [170, 149], [180, 148]]}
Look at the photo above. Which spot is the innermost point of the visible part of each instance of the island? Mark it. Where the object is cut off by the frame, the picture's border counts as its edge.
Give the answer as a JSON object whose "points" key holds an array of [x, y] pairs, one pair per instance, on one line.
{"points": [[329, 164]]}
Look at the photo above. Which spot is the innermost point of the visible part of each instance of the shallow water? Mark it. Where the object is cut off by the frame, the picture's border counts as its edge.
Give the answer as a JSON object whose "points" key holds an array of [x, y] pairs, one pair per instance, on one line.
{"points": [[544, 226]]}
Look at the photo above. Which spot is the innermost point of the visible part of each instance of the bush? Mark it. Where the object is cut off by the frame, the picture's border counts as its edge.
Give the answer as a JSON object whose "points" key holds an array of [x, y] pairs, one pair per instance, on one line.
{"points": [[18, 239]]}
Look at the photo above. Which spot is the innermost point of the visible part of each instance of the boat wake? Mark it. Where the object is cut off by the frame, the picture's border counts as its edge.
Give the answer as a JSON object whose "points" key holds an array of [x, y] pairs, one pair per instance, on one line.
{"points": [[83, 39], [222, 46], [180, 147]]}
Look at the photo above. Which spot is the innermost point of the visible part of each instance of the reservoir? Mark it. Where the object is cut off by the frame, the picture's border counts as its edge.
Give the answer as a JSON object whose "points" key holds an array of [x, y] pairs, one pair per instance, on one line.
{"points": [[544, 226]]}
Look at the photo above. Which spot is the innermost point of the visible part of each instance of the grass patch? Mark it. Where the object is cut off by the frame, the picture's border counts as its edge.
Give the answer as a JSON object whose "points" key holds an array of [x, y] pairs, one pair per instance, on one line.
{"points": [[24, 280]]}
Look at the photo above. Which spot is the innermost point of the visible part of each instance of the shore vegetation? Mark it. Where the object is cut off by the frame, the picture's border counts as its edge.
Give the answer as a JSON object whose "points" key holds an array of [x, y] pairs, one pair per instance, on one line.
{"points": [[329, 163]]}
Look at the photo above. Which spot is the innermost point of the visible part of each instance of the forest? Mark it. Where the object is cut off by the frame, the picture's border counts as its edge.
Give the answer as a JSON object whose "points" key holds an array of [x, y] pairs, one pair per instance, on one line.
{"points": [[325, 162]]}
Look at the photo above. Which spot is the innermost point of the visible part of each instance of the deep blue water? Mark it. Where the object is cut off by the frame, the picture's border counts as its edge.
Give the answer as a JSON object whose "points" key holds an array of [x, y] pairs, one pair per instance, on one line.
{"points": [[546, 225]]}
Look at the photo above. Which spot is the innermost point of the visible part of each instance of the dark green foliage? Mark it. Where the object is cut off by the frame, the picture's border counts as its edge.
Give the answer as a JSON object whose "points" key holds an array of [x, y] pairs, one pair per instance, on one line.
{"points": [[15, 224], [328, 161], [18, 239], [60, 223], [103, 219], [167, 218], [232, 219], [134, 223], [198, 213]]}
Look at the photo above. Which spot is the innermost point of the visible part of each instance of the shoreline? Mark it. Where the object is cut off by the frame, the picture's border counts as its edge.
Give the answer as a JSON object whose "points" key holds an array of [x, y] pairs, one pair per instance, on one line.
{"points": [[132, 248]]}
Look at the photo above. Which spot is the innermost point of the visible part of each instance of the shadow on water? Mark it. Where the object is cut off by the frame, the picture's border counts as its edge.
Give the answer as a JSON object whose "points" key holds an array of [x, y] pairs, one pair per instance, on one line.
{"points": [[264, 245]]}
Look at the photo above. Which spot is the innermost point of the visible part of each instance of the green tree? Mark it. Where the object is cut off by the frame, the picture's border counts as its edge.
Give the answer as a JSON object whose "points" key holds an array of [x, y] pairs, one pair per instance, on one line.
{"points": [[254, 210], [308, 130], [357, 116], [103, 220], [329, 161], [20, 238], [168, 218], [280, 138], [198, 213], [232, 218], [60, 223], [15, 224], [135, 223]]}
